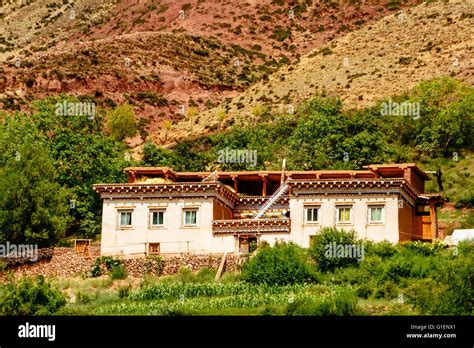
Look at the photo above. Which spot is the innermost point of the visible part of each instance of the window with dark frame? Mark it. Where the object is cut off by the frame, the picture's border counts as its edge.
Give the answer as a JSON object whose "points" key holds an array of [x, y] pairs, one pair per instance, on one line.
{"points": [[344, 214], [125, 218], [157, 218], [312, 214], [376, 213], [190, 217]]}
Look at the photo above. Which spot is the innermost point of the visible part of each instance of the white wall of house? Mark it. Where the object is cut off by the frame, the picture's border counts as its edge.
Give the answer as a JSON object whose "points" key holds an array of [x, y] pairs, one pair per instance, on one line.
{"points": [[387, 229], [173, 236]]}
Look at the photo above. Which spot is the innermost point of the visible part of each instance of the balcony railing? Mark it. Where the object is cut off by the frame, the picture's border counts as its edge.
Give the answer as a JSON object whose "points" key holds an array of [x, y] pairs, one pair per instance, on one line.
{"points": [[247, 226]]}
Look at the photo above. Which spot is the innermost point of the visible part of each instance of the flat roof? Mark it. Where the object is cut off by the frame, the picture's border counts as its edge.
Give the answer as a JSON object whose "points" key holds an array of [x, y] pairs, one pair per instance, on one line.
{"points": [[372, 171]]}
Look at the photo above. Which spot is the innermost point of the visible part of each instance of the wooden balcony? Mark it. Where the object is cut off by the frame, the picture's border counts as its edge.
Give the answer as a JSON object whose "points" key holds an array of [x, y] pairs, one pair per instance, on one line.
{"points": [[247, 226]]}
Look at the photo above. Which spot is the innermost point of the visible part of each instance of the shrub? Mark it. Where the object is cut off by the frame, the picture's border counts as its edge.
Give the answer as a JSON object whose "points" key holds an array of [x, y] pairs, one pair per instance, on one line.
{"points": [[281, 264], [341, 303], [152, 98], [271, 310], [384, 249], [424, 248], [387, 290], [154, 264], [422, 293], [205, 275], [124, 290], [29, 296], [118, 272], [396, 268], [83, 297], [466, 248], [458, 295], [115, 267], [448, 292], [468, 221], [329, 237], [3, 266], [365, 290]]}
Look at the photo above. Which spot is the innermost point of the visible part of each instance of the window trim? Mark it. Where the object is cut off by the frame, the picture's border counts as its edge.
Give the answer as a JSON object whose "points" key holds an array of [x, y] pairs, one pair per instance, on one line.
{"points": [[119, 218], [305, 214], [183, 220], [150, 218], [351, 212], [375, 205]]}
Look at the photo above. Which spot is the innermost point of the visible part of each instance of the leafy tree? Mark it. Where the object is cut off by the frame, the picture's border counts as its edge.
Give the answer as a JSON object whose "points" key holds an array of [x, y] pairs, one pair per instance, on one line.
{"points": [[221, 116], [318, 138], [167, 124], [325, 245], [191, 115], [33, 205], [121, 122], [81, 153], [155, 156]]}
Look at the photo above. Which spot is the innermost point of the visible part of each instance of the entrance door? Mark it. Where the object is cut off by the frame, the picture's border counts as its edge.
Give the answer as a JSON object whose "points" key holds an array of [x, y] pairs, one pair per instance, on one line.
{"points": [[247, 244], [244, 245]]}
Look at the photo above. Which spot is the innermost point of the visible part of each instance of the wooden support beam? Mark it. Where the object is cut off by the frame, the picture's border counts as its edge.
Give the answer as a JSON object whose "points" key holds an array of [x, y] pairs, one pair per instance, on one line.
{"points": [[234, 179], [434, 221], [264, 187]]}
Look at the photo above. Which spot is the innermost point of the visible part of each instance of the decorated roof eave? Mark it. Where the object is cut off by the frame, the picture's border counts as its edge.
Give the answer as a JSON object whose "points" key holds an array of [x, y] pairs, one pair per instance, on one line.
{"points": [[149, 191], [361, 186]]}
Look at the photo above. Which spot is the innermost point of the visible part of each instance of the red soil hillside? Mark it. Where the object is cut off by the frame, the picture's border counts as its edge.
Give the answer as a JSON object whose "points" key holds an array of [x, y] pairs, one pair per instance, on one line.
{"points": [[147, 54]]}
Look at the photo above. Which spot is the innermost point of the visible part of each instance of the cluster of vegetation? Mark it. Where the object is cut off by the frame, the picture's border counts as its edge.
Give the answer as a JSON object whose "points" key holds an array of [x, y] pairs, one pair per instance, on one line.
{"points": [[114, 266], [408, 278], [283, 264], [154, 264], [29, 296], [428, 276], [48, 164], [321, 135]]}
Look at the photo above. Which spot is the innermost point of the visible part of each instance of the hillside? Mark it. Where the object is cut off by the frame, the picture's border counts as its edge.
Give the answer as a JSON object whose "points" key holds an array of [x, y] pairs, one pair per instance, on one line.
{"points": [[146, 54], [378, 60]]}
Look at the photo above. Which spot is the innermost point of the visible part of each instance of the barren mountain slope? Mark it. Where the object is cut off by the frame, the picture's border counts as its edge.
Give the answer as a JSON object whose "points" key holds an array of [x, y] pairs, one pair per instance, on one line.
{"points": [[380, 60], [147, 54]]}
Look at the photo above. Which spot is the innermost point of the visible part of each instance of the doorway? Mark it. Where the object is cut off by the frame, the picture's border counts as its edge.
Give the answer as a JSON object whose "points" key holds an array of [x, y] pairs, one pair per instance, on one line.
{"points": [[247, 244]]}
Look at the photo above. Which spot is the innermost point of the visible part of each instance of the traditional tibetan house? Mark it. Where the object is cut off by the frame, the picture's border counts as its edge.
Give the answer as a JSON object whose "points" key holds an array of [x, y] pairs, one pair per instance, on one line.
{"points": [[167, 212]]}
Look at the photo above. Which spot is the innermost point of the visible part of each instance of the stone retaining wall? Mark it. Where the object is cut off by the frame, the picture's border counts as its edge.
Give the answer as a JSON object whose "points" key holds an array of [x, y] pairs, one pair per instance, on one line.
{"points": [[64, 262]]}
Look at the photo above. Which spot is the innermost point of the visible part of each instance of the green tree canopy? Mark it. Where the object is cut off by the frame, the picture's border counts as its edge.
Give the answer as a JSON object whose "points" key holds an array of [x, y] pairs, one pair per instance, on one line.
{"points": [[33, 205], [121, 122]]}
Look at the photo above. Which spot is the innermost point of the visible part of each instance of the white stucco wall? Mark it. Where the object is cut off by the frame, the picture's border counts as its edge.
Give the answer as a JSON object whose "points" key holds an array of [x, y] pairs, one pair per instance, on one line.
{"points": [[173, 236], [388, 230]]}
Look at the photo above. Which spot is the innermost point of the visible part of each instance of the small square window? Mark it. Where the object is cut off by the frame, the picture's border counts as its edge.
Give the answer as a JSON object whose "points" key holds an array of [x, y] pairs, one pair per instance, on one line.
{"points": [[154, 248], [344, 214], [190, 217], [312, 214], [376, 214], [157, 218], [125, 218]]}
